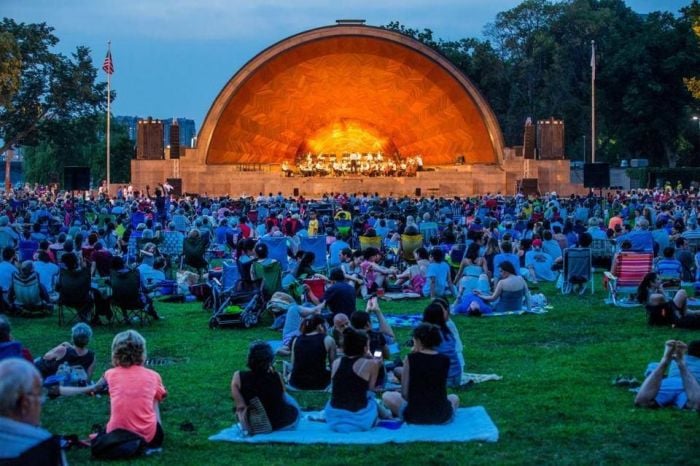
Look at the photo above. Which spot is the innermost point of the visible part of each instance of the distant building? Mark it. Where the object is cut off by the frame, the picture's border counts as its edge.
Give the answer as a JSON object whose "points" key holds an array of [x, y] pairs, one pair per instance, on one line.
{"points": [[187, 129]]}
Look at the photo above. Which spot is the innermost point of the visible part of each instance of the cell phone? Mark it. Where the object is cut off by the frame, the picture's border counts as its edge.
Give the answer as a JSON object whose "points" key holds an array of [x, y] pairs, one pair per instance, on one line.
{"points": [[377, 354]]}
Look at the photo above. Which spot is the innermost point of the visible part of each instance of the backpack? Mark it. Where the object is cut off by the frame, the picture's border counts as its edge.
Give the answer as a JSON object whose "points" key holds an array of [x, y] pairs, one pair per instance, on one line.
{"points": [[118, 444]]}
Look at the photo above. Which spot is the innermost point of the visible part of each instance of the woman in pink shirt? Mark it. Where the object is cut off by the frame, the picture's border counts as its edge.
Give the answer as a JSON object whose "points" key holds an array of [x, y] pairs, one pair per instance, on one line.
{"points": [[134, 391]]}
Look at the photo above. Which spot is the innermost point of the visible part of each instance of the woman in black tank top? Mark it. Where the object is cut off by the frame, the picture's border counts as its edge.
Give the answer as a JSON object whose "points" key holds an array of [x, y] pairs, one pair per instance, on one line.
{"points": [[352, 406], [76, 354], [263, 382], [423, 398], [312, 351]]}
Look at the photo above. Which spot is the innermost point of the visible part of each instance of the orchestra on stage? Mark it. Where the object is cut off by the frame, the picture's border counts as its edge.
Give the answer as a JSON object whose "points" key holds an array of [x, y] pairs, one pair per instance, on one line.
{"points": [[368, 164]]}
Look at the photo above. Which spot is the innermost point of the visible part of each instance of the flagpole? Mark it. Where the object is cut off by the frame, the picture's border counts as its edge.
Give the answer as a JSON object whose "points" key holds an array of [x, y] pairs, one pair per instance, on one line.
{"points": [[592, 101], [109, 95]]}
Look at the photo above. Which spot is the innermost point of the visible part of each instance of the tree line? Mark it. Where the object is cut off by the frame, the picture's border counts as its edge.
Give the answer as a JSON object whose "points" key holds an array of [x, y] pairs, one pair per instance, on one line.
{"points": [[535, 61]]}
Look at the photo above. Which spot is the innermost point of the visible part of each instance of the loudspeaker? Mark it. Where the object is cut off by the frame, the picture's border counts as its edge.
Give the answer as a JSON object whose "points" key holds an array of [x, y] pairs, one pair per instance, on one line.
{"points": [[296, 192], [174, 140], [76, 178], [418, 192], [596, 175], [529, 186], [176, 183]]}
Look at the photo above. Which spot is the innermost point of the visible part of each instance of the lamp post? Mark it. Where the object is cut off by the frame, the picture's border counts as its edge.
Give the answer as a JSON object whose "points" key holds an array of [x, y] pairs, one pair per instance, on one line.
{"points": [[697, 118]]}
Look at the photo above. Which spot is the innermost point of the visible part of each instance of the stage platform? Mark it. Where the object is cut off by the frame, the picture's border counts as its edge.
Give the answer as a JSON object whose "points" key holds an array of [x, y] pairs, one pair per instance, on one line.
{"points": [[445, 181]]}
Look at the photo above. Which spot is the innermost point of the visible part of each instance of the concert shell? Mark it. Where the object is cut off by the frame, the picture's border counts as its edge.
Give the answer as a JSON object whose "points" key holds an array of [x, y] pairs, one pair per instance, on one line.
{"points": [[349, 88]]}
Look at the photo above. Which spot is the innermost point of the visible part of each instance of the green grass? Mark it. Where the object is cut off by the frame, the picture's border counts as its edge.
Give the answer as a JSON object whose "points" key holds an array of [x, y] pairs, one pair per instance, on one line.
{"points": [[555, 403]]}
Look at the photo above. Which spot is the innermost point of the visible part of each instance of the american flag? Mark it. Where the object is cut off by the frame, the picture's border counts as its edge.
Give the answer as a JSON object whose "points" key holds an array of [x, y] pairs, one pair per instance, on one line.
{"points": [[108, 66]]}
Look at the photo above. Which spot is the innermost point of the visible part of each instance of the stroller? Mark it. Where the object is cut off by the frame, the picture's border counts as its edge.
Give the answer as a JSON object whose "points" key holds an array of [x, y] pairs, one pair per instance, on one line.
{"points": [[233, 308]]}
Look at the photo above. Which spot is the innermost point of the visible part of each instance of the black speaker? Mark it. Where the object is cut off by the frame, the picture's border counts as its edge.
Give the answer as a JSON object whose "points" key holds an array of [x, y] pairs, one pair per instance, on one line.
{"points": [[76, 178], [596, 175], [529, 186], [418, 192], [296, 192], [175, 141], [176, 183]]}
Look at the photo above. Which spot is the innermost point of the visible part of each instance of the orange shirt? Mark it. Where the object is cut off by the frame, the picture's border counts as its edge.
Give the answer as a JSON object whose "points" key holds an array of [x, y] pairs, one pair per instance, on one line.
{"points": [[133, 393]]}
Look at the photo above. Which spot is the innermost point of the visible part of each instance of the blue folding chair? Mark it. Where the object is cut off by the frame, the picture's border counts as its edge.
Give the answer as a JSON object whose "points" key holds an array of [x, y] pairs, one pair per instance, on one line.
{"points": [[317, 245], [277, 249], [136, 218]]}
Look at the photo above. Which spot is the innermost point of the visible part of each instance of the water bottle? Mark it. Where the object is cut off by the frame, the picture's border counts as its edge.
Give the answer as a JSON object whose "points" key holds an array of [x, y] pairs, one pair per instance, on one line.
{"points": [[63, 373]]}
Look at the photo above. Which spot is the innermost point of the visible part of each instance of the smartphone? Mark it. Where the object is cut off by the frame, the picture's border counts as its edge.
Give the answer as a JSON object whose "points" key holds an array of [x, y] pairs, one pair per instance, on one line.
{"points": [[377, 354]]}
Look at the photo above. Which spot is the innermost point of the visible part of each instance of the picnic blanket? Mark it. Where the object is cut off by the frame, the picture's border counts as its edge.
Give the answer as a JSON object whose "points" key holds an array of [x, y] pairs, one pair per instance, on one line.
{"points": [[469, 424], [412, 320], [395, 296]]}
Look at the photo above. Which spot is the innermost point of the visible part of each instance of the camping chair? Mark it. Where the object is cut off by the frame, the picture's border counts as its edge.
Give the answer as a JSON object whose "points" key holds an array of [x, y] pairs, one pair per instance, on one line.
{"points": [[27, 248], [74, 296], [577, 270], [25, 295], [317, 245], [277, 249], [171, 247], [602, 251], [270, 277], [455, 256], [344, 228], [317, 286], [127, 296], [429, 230], [409, 243], [370, 242], [136, 218], [628, 273]]}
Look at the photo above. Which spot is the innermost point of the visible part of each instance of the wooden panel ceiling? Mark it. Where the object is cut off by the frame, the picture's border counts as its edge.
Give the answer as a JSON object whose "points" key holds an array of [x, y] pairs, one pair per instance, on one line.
{"points": [[409, 102]]}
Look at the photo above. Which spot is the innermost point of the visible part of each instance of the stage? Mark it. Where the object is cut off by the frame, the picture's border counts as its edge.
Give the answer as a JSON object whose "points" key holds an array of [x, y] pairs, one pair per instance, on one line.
{"points": [[445, 180]]}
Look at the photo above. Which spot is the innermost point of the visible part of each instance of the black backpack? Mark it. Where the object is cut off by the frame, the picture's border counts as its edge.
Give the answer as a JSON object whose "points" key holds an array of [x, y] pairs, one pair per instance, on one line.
{"points": [[118, 444]]}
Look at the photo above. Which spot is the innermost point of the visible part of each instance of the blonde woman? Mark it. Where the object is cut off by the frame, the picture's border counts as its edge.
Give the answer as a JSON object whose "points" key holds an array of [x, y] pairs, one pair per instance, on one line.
{"points": [[134, 391]]}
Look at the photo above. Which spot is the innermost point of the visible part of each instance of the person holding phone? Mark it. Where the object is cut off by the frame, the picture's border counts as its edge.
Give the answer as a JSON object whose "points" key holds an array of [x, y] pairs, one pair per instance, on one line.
{"points": [[423, 398]]}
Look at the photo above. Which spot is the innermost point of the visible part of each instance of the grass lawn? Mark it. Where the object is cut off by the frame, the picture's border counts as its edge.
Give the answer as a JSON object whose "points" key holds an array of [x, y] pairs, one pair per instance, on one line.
{"points": [[555, 403]]}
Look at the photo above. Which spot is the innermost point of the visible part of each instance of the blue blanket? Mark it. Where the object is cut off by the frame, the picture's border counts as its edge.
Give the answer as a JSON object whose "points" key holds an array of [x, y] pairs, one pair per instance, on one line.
{"points": [[412, 320], [469, 424]]}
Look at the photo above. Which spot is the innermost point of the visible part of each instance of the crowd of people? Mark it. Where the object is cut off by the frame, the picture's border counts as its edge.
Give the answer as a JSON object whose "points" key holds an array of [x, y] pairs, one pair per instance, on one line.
{"points": [[467, 255], [367, 164]]}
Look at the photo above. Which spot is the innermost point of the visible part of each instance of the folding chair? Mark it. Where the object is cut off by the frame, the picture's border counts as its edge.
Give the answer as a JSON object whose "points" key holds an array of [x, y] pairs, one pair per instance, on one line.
{"points": [[270, 277], [74, 296], [409, 243], [317, 286], [128, 297], [27, 248], [317, 245], [602, 251], [577, 270], [136, 218], [628, 273], [26, 295], [277, 249], [370, 242], [429, 230]]}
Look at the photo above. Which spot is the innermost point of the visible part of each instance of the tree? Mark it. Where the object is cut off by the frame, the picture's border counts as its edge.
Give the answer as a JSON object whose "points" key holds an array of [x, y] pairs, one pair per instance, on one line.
{"points": [[692, 13], [52, 87], [80, 142]]}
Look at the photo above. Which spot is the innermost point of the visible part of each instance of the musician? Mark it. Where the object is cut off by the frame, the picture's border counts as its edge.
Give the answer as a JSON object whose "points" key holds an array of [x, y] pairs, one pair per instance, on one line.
{"points": [[286, 170], [419, 162], [354, 161]]}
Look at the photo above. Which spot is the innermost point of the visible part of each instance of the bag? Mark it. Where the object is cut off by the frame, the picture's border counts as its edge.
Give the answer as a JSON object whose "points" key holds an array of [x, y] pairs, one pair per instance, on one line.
{"points": [[538, 300], [118, 444], [256, 418]]}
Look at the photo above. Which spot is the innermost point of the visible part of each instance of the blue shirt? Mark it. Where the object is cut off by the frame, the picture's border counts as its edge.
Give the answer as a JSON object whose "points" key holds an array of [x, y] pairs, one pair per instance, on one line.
{"points": [[441, 272]]}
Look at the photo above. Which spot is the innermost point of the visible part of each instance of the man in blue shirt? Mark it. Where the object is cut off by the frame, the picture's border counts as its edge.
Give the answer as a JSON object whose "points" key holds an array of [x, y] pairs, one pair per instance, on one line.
{"points": [[7, 270]]}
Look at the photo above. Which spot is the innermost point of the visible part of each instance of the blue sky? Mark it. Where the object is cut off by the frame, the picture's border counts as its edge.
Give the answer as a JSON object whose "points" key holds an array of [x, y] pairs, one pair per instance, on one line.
{"points": [[172, 57]]}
